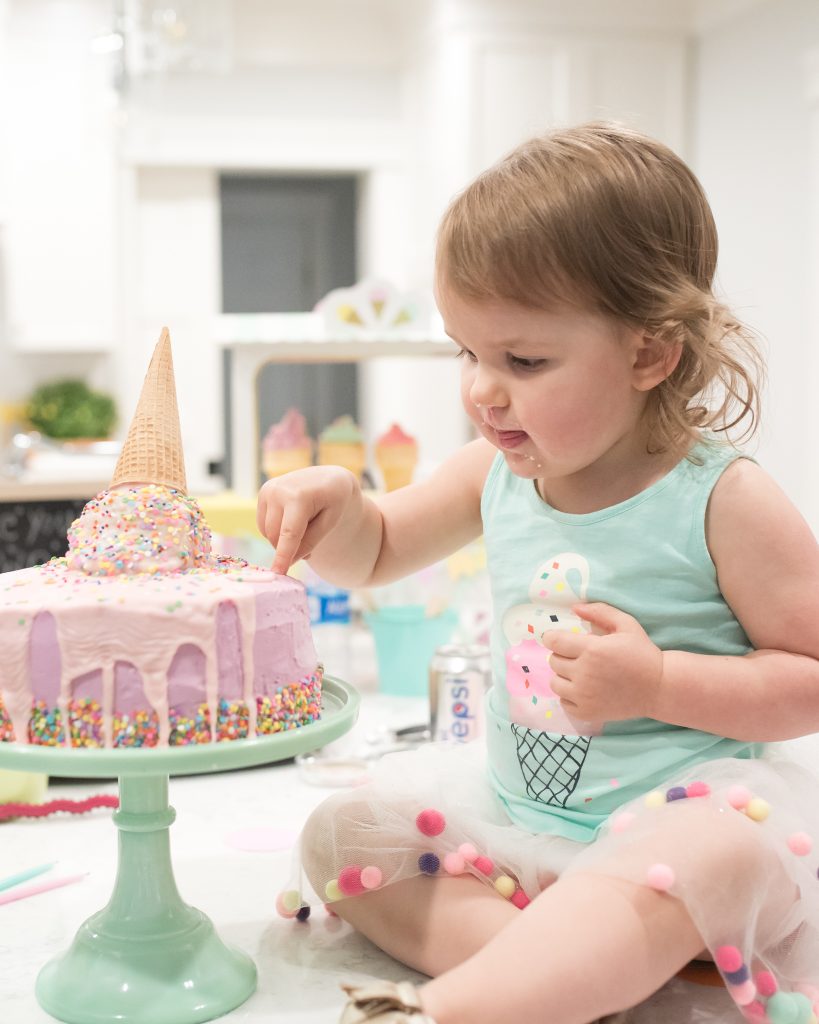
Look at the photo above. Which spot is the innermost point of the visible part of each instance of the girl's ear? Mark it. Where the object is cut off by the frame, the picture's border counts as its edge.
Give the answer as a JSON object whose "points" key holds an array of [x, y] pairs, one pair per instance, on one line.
{"points": [[654, 360]]}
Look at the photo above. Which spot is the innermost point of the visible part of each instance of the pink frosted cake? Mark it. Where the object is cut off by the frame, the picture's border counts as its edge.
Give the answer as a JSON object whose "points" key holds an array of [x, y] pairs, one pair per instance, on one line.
{"points": [[140, 636]]}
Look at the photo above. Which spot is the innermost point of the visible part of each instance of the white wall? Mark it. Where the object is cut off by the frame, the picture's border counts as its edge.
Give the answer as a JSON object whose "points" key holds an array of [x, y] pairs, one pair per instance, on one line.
{"points": [[414, 99], [752, 148]]}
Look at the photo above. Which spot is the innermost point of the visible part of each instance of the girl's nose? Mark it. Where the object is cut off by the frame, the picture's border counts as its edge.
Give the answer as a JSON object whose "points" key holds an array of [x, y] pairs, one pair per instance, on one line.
{"points": [[486, 390]]}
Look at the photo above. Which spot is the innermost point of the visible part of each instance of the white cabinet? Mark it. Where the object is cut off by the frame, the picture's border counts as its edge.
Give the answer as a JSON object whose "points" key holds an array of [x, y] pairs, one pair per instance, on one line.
{"points": [[57, 177]]}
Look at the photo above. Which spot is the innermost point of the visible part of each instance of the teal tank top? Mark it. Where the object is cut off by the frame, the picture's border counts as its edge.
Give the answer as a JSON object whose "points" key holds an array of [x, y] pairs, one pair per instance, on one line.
{"points": [[646, 556]]}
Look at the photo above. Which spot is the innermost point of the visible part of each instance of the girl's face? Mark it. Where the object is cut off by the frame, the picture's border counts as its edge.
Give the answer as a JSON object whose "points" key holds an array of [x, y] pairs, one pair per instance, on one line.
{"points": [[557, 392]]}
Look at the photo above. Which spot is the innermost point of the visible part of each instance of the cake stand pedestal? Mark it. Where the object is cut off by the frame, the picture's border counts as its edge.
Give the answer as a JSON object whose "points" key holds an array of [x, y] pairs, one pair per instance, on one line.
{"points": [[148, 957]]}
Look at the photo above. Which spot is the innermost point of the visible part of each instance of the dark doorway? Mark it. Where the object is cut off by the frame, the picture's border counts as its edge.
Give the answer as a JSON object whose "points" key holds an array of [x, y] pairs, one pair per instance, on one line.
{"points": [[286, 242]]}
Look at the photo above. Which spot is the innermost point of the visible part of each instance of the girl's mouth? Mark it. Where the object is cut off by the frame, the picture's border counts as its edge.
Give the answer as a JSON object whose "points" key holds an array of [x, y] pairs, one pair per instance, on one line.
{"points": [[511, 438]]}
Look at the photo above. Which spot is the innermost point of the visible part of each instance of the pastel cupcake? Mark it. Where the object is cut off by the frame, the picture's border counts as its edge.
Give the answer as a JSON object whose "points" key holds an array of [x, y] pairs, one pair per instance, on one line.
{"points": [[397, 456], [287, 446], [342, 444]]}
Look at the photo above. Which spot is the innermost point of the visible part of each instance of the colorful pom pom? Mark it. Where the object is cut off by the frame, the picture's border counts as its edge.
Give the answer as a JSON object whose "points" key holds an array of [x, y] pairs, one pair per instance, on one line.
{"points": [[728, 958], [620, 822], [506, 886], [800, 843], [743, 994], [349, 881], [371, 877], [429, 863], [660, 877], [485, 865], [758, 809], [332, 891], [676, 793], [454, 864], [766, 984], [303, 913], [468, 852], [431, 822], [738, 797], [520, 899], [284, 907], [782, 1008], [695, 789], [655, 798]]}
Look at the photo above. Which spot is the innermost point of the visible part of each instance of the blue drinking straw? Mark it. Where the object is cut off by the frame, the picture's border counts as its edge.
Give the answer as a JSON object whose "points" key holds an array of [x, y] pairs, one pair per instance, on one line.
{"points": [[23, 876]]}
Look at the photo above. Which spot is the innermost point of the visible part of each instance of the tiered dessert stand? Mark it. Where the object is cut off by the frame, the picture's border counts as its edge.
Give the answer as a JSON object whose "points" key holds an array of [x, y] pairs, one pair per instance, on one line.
{"points": [[148, 957]]}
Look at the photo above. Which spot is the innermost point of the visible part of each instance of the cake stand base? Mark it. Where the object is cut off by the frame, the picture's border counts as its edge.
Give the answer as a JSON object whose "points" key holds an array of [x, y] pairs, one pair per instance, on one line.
{"points": [[193, 978], [148, 957]]}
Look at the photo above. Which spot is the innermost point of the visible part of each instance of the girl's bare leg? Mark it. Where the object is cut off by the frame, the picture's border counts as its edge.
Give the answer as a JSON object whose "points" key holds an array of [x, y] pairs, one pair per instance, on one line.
{"points": [[432, 925], [589, 945]]}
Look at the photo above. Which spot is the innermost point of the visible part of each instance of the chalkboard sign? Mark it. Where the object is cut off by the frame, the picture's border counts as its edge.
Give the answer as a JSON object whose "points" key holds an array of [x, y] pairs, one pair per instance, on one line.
{"points": [[31, 532]]}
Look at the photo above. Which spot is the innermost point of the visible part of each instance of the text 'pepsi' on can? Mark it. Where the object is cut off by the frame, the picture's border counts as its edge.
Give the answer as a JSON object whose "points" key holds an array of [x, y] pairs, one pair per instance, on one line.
{"points": [[459, 676]]}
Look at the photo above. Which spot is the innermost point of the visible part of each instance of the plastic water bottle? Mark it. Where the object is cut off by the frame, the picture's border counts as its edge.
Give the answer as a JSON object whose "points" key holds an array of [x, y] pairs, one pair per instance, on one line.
{"points": [[330, 621]]}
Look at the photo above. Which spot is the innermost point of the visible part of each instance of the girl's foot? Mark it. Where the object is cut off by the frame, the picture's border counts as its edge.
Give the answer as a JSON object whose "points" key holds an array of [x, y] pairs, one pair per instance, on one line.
{"points": [[383, 1002]]}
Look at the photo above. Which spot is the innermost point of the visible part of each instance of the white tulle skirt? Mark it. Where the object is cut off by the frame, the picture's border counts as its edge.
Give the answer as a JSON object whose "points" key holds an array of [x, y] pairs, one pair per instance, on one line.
{"points": [[738, 843]]}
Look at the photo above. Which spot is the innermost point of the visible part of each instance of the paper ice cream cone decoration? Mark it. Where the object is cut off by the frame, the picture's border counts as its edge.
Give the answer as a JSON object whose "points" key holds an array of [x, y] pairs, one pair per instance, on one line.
{"points": [[287, 446], [342, 444], [397, 456], [152, 453]]}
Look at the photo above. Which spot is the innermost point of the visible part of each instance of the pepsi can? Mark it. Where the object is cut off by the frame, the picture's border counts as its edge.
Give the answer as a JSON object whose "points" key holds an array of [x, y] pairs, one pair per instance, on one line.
{"points": [[459, 676]]}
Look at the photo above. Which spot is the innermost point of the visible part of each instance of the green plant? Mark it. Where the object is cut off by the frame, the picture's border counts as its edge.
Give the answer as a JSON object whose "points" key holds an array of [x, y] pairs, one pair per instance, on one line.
{"points": [[67, 409]]}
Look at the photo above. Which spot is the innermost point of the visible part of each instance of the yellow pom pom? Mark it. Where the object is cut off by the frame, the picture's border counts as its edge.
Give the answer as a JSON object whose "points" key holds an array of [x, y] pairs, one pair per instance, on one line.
{"points": [[332, 891], [291, 900], [655, 798], [506, 886], [758, 809]]}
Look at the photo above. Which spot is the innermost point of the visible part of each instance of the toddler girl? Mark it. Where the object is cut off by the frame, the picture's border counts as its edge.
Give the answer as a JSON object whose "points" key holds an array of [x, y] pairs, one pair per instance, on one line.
{"points": [[655, 603]]}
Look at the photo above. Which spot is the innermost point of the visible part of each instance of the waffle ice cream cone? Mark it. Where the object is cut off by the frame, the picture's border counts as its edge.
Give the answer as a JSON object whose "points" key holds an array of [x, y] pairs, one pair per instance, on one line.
{"points": [[342, 444], [152, 452], [397, 456], [287, 446]]}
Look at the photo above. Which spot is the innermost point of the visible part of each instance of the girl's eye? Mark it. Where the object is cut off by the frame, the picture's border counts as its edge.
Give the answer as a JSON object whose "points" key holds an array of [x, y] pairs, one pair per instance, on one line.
{"points": [[519, 363], [464, 353]]}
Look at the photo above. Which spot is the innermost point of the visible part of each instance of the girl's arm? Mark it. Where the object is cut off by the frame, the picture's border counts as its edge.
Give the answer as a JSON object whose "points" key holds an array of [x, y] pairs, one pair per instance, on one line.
{"points": [[353, 540], [767, 563]]}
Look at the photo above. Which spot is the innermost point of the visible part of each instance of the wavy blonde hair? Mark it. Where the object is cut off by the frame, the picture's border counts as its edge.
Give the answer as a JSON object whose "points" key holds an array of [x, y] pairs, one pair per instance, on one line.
{"points": [[600, 215]]}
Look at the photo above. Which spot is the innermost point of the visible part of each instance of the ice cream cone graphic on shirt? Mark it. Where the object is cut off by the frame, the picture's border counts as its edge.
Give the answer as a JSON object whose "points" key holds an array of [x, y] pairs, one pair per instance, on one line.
{"points": [[152, 452], [551, 744]]}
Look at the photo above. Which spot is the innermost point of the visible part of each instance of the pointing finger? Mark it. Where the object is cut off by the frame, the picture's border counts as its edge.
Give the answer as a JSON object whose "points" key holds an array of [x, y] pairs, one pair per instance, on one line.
{"points": [[291, 531]]}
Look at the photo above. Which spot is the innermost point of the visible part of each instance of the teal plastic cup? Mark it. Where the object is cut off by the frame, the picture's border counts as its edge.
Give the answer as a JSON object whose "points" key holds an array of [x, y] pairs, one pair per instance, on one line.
{"points": [[405, 640]]}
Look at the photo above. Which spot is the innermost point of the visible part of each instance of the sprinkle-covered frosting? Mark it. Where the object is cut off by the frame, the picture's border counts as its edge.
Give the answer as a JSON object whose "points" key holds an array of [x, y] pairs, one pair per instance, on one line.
{"points": [[140, 529]]}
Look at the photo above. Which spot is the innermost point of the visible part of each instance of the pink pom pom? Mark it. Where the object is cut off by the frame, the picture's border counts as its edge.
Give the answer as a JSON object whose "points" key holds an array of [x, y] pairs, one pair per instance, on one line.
{"points": [[349, 881], [728, 959], [371, 877], [698, 789], [739, 797], [800, 843], [468, 852], [743, 994], [660, 877], [520, 899], [766, 984], [485, 865], [620, 822], [454, 864], [431, 822], [755, 1011], [282, 909]]}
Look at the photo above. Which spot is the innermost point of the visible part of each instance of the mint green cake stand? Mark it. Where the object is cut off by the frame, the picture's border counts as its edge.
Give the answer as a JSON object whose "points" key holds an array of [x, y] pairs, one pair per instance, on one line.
{"points": [[147, 957]]}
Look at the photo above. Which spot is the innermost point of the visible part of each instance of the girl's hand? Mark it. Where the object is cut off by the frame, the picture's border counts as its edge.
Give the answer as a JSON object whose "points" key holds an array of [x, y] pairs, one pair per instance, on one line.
{"points": [[609, 677], [296, 511]]}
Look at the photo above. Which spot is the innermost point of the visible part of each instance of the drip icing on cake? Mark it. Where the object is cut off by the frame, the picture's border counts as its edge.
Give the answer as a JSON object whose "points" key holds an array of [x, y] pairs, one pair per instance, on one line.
{"points": [[136, 616]]}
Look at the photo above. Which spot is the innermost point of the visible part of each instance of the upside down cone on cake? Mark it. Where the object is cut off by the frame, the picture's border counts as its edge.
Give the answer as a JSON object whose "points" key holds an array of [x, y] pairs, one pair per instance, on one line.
{"points": [[140, 635]]}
